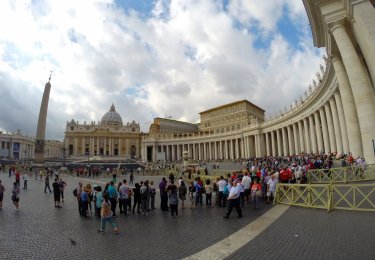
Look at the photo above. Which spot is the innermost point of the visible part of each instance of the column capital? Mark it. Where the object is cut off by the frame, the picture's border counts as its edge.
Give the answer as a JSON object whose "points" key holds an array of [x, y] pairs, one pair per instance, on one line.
{"points": [[336, 25], [335, 57]]}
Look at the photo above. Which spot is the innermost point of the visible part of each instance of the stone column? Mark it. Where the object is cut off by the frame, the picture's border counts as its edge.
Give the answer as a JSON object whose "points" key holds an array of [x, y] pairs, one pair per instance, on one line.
{"points": [[279, 148], [344, 133], [296, 139], [307, 135], [312, 135], [290, 140], [318, 130], [336, 126], [361, 88], [231, 149], [273, 143], [267, 145], [154, 152], [301, 137], [83, 150], [173, 156], [221, 153], [105, 146], [350, 111], [285, 141], [326, 143], [332, 140]]}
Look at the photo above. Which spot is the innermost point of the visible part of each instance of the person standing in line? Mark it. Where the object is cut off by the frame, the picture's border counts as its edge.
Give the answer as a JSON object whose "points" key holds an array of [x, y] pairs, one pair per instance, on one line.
{"points": [[208, 191], [145, 197], [62, 185], [234, 200], [131, 179], [271, 188], [25, 181], [98, 200], [2, 190], [246, 181], [107, 215], [173, 198], [124, 197], [221, 186], [182, 191], [137, 197], [84, 201], [152, 195], [77, 193], [56, 193], [16, 195], [192, 192], [113, 196], [163, 195], [46, 182]]}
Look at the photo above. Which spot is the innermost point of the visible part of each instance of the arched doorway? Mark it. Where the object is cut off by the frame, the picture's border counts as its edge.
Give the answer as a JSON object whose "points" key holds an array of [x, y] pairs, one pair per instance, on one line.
{"points": [[70, 150]]}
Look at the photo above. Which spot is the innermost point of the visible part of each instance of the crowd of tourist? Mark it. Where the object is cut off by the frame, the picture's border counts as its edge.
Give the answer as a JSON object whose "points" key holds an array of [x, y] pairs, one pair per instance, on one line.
{"points": [[256, 182]]}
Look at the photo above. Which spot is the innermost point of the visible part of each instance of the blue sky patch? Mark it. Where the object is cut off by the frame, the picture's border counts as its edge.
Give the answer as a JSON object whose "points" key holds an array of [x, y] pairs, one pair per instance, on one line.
{"points": [[143, 7]]}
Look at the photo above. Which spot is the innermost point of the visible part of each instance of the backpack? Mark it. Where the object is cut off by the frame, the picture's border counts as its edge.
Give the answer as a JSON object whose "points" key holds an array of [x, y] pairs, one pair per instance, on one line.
{"points": [[226, 191], [144, 194], [75, 192]]}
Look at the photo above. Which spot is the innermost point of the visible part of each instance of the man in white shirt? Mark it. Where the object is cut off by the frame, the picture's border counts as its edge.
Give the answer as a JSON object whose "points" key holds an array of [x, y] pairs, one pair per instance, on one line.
{"points": [[234, 200], [221, 186], [271, 188], [246, 181]]}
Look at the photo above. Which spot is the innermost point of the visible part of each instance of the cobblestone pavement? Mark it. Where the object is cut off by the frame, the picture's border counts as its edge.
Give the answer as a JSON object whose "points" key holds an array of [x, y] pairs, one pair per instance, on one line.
{"points": [[41, 231], [314, 234]]}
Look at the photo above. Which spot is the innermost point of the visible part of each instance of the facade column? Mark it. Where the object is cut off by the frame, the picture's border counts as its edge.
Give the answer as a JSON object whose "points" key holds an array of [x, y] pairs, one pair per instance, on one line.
{"points": [[326, 143], [173, 157], [331, 133], [307, 135], [318, 130], [290, 140], [242, 148], [312, 135], [154, 152], [296, 139], [336, 126], [278, 136], [285, 141], [205, 157], [231, 149], [267, 145], [237, 149], [273, 143], [221, 153], [361, 86], [344, 133], [301, 137]]}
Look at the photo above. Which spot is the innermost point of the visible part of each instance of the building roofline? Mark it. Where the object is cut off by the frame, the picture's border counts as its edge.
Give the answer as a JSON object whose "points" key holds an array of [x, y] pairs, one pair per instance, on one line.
{"points": [[231, 104]]}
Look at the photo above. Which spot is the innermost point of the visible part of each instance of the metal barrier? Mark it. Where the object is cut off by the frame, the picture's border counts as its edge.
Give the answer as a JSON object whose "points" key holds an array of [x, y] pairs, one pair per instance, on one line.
{"points": [[359, 197], [341, 175]]}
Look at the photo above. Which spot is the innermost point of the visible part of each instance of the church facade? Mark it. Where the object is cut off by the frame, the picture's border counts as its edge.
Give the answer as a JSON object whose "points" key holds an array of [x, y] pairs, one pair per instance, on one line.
{"points": [[108, 137]]}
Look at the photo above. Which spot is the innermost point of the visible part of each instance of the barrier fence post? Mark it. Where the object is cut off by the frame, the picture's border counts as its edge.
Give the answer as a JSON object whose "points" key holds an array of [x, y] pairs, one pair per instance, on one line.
{"points": [[330, 205]]}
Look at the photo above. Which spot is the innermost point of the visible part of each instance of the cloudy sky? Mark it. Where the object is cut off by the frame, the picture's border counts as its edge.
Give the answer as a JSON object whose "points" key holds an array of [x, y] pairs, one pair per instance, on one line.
{"points": [[151, 58]]}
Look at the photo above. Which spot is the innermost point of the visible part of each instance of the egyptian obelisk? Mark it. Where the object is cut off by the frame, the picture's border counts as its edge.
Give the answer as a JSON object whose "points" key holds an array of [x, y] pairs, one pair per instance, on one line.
{"points": [[41, 128]]}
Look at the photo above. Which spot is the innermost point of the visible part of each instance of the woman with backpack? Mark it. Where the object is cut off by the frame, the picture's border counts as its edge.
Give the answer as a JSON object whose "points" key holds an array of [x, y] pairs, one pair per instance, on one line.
{"points": [[106, 215]]}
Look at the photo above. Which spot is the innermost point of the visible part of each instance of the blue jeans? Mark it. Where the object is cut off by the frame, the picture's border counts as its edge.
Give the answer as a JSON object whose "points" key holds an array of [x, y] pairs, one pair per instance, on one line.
{"points": [[110, 220]]}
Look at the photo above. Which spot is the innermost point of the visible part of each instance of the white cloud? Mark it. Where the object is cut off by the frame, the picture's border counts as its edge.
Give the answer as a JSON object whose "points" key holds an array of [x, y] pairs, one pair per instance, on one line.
{"points": [[188, 56]]}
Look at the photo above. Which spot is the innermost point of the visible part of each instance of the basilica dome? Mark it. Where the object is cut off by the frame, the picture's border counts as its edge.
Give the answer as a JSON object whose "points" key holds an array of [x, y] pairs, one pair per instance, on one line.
{"points": [[112, 117]]}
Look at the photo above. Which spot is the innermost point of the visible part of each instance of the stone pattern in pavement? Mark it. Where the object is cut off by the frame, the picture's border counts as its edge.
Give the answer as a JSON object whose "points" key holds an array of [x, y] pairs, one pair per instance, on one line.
{"points": [[303, 233], [40, 231]]}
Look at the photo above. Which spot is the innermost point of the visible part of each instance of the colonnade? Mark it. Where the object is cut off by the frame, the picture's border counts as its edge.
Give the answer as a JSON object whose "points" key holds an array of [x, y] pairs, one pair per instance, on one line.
{"points": [[323, 131]]}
